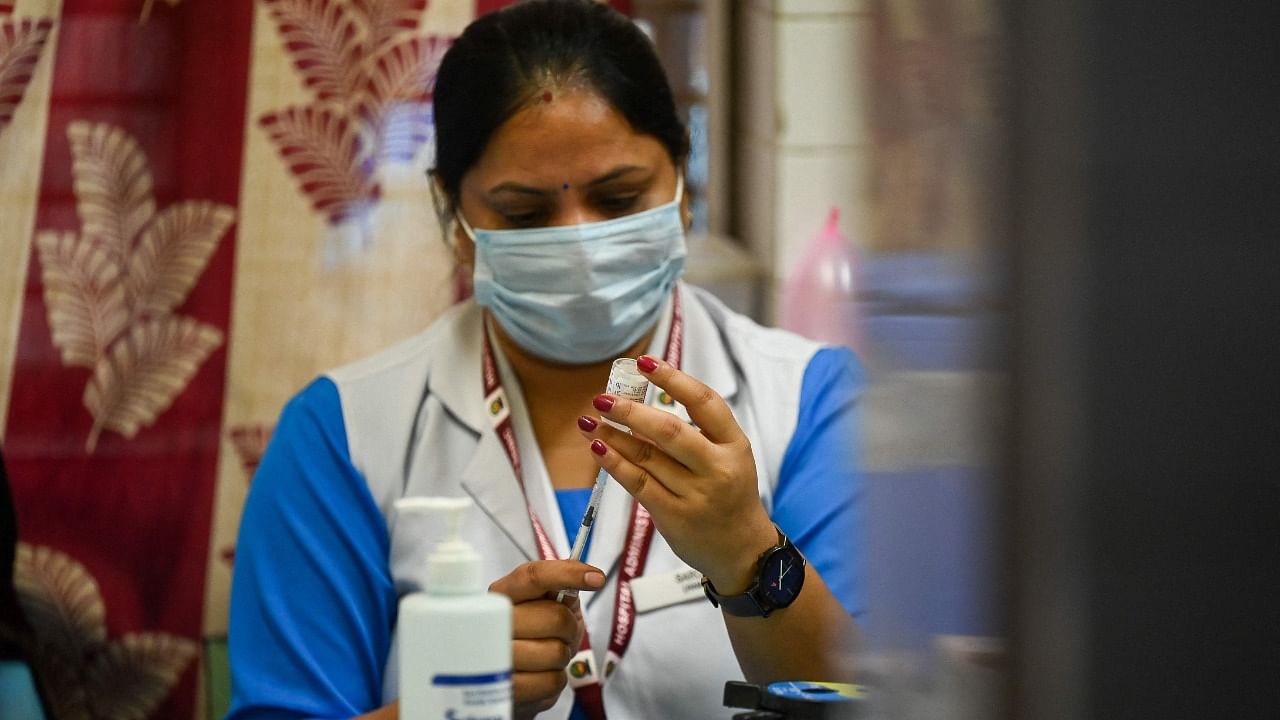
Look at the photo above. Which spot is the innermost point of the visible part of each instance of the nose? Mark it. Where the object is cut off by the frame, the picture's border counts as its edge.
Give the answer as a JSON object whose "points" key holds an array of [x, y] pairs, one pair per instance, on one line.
{"points": [[573, 209]]}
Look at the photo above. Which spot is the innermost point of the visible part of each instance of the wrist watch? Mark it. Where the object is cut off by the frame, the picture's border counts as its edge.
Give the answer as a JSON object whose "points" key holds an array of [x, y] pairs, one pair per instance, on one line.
{"points": [[779, 577]]}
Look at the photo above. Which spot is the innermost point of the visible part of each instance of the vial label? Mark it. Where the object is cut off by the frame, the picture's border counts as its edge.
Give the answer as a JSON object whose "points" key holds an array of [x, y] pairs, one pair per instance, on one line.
{"points": [[625, 381], [472, 697]]}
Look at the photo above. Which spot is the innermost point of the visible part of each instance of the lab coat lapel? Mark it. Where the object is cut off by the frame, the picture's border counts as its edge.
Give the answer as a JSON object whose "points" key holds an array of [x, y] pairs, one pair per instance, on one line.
{"points": [[491, 482], [488, 477], [455, 375], [706, 354]]}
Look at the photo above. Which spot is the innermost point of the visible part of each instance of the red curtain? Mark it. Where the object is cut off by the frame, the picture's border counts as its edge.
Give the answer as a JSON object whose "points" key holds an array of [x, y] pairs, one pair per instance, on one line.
{"points": [[124, 323]]}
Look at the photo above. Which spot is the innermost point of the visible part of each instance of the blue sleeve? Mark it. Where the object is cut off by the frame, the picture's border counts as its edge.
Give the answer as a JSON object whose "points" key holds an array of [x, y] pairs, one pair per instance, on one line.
{"points": [[818, 501], [312, 600]]}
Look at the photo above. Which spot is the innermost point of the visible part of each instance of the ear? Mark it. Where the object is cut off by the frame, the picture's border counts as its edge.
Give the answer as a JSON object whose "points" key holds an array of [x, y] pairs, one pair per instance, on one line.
{"points": [[464, 251], [439, 198], [686, 205], [682, 167]]}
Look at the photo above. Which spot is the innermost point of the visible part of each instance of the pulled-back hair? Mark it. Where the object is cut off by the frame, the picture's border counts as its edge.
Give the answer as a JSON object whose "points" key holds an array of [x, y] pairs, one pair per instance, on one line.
{"points": [[505, 59]]}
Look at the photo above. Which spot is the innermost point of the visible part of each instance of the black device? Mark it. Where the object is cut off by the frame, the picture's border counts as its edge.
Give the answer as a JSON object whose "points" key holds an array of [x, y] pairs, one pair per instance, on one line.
{"points": [[779, 578], [795, 701]]}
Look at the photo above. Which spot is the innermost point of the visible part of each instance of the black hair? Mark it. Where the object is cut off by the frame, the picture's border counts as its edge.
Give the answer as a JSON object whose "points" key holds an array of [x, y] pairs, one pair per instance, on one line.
{"points": [[503, 59]]}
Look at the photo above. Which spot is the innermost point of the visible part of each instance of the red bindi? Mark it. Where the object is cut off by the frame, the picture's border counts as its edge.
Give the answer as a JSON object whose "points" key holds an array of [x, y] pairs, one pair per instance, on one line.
{"points": [[546, 96]]}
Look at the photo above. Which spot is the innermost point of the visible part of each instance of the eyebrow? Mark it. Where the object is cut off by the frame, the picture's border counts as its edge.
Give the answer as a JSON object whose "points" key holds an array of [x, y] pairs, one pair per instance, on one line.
{"points": [[614, 174]]}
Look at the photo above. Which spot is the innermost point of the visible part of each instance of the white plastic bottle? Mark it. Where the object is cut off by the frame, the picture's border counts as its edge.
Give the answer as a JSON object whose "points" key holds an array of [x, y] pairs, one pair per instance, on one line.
{"points": [[455, 638]]}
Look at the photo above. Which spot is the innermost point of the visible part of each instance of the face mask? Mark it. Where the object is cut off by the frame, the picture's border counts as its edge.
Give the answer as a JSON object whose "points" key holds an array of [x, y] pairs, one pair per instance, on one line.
{"points": [[580, 293]]}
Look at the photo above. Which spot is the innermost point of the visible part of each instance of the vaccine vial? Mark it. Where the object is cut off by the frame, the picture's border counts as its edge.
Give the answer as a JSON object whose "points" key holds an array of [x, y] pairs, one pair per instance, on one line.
{"points": [[626, 381]]}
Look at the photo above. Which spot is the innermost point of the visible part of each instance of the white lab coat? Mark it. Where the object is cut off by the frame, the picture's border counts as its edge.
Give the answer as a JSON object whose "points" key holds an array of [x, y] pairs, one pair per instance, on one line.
{"points": [[416, 425]]}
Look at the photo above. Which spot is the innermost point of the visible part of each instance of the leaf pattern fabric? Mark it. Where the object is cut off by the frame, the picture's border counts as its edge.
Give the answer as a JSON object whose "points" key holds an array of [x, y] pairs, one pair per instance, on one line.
{"points": [[172, 253], [84, 296], [111, 290], [372, 81], [143, 372], [112, 185], [86, 675], [160, 299], [20, 44]]}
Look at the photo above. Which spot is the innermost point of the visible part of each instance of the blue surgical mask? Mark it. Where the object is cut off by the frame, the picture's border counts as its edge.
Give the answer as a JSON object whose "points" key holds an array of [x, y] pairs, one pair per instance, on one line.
{"points": [[581, 293]]}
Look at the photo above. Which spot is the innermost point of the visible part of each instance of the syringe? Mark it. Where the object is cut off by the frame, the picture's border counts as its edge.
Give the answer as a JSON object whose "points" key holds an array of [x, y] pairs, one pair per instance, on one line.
{"points": [[624, 381]]}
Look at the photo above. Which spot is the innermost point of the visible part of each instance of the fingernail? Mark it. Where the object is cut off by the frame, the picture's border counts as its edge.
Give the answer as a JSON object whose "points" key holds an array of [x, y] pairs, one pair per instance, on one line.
{"points": [[603, 403], [598, 447], [593, 579], [587, 424], [646, 363]]}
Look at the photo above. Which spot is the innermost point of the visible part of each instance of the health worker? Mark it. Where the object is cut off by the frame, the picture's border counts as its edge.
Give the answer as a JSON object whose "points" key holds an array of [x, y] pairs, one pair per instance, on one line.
{"points": [[728, 546]]}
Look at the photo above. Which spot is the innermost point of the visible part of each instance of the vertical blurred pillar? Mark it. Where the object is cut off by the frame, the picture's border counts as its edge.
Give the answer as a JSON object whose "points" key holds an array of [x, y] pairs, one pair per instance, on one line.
{"points": [[801, 140], [1143, 491]]}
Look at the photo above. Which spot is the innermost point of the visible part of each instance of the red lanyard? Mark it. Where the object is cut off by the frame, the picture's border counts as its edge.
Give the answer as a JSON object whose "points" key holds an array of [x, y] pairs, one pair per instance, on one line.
{"points": [[583, 675]]}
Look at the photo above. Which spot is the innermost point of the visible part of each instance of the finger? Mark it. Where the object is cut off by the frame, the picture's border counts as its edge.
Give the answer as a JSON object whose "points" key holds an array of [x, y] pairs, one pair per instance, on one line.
{"points": [[672, 472], [675, 437], [706, 408], [643, 486], [538, 689], [540, 655], [539, 619], [535, 579]]}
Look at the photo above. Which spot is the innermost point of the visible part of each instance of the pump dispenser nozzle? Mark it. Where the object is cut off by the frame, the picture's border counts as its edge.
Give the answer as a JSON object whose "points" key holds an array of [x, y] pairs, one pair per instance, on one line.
{"points": [[453, 567]]}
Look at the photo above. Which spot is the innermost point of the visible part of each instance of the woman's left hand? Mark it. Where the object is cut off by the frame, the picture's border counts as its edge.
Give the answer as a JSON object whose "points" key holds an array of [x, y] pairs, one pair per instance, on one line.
{"points": [[698, 483]]}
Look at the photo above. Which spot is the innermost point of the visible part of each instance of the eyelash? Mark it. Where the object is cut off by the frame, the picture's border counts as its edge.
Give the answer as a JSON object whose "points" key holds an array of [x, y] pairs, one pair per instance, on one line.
{"points": [[522, 218], [611, 204], [618, 203]]}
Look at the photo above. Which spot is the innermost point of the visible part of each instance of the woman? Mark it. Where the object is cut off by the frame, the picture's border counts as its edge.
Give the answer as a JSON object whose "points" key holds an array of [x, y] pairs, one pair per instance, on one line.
{"points": [[560, 157]]}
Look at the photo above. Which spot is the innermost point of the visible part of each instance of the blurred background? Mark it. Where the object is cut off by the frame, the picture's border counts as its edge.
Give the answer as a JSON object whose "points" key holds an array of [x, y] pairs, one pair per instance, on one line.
{"points": [[206, 204]]}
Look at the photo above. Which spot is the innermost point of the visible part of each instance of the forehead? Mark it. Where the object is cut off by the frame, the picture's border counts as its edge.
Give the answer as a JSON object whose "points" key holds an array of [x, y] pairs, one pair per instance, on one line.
{"points": [[563, 136]]}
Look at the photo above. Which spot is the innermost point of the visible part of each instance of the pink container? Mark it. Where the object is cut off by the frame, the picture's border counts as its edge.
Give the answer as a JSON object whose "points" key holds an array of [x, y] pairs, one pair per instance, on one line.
{"points": [[820, 299]]}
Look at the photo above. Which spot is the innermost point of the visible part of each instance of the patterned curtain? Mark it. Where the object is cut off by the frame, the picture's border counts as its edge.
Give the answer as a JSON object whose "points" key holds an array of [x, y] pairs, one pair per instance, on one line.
{"points": [[204, 204]]}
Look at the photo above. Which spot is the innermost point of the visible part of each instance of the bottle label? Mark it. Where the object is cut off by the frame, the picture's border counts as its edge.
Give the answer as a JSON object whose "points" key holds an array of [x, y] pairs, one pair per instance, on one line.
{"points": [[473, 697]]}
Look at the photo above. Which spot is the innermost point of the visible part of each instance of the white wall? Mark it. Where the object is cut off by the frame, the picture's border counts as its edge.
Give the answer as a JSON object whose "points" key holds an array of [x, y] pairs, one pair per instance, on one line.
{"points": [[802, 144]]}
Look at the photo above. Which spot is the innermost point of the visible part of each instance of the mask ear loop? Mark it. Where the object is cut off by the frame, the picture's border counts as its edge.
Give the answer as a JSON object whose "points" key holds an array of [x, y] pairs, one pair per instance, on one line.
{"points": [[686, 215], [462, 288], [445, 214]]}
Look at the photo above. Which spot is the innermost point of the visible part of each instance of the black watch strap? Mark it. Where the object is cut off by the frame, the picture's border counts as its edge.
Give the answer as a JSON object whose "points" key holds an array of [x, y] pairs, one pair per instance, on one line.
{"points": [[751, 603], [744, 605]]}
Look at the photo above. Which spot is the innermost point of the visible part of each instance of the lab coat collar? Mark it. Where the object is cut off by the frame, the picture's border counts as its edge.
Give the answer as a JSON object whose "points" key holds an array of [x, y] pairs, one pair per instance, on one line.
{"points": [[456, 374], [455, 379], [706, 352]]}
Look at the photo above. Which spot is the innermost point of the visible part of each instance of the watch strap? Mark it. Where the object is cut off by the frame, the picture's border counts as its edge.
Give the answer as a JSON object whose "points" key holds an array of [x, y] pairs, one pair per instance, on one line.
{"points": [[746, 604]]}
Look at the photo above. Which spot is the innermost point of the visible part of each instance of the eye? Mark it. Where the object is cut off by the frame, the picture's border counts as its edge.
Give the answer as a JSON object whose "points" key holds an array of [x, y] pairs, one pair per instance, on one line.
{"points": [[529, 218], [618, 203]]}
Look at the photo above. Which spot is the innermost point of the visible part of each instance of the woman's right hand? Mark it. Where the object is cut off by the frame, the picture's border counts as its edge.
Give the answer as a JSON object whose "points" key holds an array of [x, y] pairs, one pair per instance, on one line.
{"points": [[545, 633]]}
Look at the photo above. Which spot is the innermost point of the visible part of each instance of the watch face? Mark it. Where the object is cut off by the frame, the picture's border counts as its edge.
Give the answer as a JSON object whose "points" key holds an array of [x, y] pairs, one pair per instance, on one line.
{"points": [[781, 575]]}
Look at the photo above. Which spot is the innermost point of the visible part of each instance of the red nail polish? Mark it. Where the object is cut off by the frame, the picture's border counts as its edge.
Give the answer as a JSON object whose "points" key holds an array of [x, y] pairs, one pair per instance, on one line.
{"points": [[646, 363], [598, 447], [587, 424], [603, 403]]}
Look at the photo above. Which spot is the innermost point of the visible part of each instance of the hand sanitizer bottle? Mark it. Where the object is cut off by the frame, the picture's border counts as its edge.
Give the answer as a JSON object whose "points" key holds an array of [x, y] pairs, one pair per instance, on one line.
{"points": [[455, 637]]}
